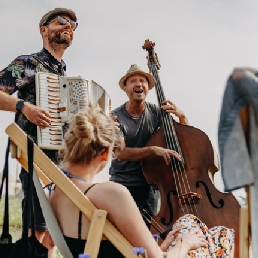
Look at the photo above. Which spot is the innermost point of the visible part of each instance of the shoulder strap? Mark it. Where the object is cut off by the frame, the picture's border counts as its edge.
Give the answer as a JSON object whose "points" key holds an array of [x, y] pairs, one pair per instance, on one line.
{"points": [[87, 190], [46, 64], [80, 216]]}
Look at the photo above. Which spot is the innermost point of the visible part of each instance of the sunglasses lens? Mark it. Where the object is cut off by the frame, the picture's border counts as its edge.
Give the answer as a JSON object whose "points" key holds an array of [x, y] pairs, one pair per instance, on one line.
{"points": [[73, 25], [62, 20]]}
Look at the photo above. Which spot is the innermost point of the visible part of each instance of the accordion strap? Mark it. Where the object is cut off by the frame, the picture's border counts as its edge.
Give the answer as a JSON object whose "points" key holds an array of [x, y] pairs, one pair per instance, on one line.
{"points": [[46, 64]]}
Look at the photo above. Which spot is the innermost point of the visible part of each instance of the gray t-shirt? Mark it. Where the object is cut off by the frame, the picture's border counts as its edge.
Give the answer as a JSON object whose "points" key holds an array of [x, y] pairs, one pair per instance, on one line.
{"points": [[137, 132]]}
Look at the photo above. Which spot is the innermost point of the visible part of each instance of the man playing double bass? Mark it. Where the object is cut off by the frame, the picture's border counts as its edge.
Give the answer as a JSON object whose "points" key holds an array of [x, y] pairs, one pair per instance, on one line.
{"points": [[139, 120]]}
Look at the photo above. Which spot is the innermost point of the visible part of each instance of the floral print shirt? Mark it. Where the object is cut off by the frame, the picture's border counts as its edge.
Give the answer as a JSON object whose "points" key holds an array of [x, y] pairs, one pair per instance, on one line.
{"points": [[19, 76], [220, 239]]}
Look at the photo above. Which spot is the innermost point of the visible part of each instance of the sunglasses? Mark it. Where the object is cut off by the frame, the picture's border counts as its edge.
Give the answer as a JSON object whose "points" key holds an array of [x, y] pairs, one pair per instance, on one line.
{"points": [[63, 21]]}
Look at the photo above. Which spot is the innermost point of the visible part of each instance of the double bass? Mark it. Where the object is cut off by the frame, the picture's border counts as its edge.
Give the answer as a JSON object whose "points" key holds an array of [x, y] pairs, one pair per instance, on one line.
{"points": [[185, 186]]}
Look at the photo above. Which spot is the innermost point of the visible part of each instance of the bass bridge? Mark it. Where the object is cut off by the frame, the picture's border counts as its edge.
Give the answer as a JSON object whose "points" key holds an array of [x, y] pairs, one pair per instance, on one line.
{"points": [[189, 198]]}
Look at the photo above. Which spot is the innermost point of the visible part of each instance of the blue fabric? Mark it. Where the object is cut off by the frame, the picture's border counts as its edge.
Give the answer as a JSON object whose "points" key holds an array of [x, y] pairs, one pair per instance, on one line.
{"points": [[239, 158]]}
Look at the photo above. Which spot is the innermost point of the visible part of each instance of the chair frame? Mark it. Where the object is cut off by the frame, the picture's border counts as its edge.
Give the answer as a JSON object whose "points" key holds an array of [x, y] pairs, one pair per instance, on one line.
{"points": [[49, 172]]}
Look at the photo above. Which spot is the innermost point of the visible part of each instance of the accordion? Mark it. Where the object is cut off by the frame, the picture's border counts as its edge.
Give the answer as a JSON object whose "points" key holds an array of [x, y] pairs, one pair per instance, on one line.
{"points": [[63, 97]]}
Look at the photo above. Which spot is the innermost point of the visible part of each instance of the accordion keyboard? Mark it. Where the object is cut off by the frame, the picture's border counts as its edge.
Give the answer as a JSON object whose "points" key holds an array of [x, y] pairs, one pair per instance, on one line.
{"points": [[48, 97], [63, 97]]}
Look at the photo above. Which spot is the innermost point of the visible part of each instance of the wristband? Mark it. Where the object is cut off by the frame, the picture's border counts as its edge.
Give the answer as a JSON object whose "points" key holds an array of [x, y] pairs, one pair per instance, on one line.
{"points": [[19, 106]]}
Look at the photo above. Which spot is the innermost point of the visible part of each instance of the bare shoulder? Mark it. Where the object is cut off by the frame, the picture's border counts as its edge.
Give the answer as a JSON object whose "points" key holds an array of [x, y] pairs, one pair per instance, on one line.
{"points": [[106, 195], [110, 188]]}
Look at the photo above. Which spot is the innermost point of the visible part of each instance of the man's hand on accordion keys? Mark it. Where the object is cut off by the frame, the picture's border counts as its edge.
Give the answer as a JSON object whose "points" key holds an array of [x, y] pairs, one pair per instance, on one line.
{"points": [[36, 115]]}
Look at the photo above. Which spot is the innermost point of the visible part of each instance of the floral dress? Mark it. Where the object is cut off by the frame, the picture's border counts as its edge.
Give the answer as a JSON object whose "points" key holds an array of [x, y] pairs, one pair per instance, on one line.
{"points": [[220, 239]]}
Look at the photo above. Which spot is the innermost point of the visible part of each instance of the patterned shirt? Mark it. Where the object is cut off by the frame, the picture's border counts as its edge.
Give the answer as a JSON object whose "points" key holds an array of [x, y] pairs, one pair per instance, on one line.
{"points": [[19, 76]]}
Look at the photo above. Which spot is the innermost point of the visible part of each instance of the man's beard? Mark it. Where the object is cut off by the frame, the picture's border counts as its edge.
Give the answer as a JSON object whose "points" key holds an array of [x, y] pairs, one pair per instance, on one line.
{"points": [[56, 41]]}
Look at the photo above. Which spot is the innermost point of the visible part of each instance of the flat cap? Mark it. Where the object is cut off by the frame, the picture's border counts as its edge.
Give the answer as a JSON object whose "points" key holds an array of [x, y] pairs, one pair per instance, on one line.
{"points": [[56, 11]]}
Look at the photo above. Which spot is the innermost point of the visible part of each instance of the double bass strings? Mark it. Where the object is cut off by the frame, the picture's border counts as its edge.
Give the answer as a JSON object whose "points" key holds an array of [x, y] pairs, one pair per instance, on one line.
{"points": [[177, 166], [160, 95], [171, 145]]}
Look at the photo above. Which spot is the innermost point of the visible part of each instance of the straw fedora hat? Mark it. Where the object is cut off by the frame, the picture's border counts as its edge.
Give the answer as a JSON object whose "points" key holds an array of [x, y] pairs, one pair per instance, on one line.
{"points": [[135, 69]]}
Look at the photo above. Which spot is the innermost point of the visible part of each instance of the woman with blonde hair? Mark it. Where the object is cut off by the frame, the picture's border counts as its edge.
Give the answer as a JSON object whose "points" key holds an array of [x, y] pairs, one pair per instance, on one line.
{"points": [[89, 142]]}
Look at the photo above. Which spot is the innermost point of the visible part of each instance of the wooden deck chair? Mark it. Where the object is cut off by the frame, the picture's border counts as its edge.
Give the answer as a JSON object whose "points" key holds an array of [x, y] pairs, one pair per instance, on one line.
{"points": [[246, 231], [48, 171]]}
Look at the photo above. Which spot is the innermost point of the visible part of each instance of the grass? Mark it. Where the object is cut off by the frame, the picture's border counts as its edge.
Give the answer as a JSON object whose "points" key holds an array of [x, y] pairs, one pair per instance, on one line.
{"points": [[15, 211], [15, 216], [15, 219]]}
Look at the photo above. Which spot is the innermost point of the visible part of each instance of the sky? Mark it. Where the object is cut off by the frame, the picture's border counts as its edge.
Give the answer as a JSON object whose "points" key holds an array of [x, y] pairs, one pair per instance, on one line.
{"points": [[198, 43]]}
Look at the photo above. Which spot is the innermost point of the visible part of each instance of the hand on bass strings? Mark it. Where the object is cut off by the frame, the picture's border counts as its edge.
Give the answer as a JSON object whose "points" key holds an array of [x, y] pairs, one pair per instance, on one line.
{"points": [[171, 108], [165, 153]]}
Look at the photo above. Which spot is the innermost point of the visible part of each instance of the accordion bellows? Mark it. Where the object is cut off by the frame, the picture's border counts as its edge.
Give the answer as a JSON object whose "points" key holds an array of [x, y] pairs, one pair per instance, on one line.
{"points": [[63, 97]]}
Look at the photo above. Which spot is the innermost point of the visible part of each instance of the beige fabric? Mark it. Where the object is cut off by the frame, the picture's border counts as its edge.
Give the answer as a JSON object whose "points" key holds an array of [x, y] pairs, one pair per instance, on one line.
{"points": [[56, 11], [135, 69]]}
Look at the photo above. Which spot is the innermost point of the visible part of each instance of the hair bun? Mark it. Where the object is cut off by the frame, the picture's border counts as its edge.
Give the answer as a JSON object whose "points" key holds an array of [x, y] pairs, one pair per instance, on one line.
{"points": [[90, 133], [84, 129]]}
